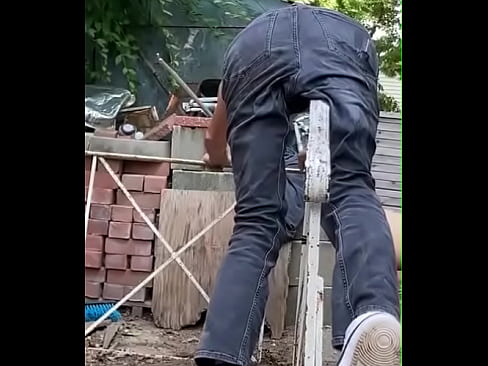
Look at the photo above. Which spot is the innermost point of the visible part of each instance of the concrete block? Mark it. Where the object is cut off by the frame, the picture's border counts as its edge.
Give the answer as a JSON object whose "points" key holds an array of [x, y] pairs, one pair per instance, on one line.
{"points": [[88, 137], [203, 181], [132, 147], [187, 143], [329, 355], [326, 262], [291, 306]]}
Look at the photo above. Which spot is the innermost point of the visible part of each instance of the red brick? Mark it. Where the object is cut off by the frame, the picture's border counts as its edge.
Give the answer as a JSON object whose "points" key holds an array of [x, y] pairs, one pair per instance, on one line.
{"points": [[154, 183], [116, 261], [161, 130], [113, 292], [105, 132], [141, 231], [120, 230], [117, 246], [188, 121], [146, 168], [149, 212], [122, 213], [93, 259], [144, 200], [95, 275], [100, 212], [97, 227], [139, 296], [126, 278], [129, 247], [133, 182], [140, 247], [101, 180], [93, 290], [116, 165], [143, 264], [94, 243], [88, 160], [103, 196]]}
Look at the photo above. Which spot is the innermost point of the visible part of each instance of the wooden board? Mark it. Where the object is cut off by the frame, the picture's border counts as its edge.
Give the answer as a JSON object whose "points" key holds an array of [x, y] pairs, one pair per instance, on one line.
{"points": [[176, 302]]}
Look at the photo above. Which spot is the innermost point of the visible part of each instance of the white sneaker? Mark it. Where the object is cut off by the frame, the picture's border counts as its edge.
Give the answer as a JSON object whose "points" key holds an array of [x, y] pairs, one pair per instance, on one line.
{"points": [[372, 339]]}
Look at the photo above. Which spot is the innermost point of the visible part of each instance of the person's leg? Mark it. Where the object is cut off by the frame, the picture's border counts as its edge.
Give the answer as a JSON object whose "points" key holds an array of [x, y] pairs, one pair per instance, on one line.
{"points": [[257, 134], [343, 72], [395, 221]]}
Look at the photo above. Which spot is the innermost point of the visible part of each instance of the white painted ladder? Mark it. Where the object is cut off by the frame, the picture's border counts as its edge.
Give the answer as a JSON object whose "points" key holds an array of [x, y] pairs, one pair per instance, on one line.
{"points": [[309, 317]]}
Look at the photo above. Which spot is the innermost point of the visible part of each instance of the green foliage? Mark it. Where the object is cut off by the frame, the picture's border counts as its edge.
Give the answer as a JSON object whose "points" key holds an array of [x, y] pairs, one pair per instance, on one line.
{"points": [[111, 31], [387, 103]]}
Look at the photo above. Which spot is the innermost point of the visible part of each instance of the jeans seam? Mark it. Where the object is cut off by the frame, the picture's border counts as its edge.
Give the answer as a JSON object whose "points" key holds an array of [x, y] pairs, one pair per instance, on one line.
{"points": [[250, 318], [217, 355], [270, 31], [342, 263]]}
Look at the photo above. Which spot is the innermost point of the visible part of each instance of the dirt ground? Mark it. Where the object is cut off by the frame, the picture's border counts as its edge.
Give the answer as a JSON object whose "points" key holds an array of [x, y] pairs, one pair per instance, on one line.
{"points": [[139, 342]]}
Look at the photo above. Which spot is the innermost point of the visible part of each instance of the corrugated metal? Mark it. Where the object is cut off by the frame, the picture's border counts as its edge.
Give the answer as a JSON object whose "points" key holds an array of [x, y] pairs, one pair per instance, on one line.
{"points": [[392, 87]]}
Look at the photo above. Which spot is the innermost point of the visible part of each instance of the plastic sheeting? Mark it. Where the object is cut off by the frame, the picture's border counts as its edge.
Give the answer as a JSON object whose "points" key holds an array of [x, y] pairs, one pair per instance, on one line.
{"points": [[102, 105]]}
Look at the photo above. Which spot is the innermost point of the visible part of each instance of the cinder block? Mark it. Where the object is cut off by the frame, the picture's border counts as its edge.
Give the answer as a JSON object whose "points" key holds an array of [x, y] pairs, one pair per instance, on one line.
{"points": [[326, 262], [88, 136], [291, 306], [130, 147], [187, 143], [203, 181]]}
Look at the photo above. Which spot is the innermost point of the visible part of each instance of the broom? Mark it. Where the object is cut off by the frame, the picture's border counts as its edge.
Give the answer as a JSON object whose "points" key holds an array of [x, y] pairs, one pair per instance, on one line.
{"points": [[95, 310]]}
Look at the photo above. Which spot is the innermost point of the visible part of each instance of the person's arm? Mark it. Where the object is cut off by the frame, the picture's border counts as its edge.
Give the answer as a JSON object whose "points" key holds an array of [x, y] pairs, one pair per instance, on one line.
{"points": [[215, 138]]}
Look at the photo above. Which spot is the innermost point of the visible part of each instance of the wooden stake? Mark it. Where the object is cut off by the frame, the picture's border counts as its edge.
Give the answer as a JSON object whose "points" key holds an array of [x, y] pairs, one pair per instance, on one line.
{"points": [[90, 192]]}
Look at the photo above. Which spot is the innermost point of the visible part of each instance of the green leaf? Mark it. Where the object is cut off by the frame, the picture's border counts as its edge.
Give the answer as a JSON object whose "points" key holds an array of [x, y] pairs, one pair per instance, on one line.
{"points": [[118, 59], [101, 42]]}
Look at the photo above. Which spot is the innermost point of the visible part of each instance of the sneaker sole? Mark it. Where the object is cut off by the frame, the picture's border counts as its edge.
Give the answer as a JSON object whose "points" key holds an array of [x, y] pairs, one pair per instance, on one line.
{"points": [[378, 343]]}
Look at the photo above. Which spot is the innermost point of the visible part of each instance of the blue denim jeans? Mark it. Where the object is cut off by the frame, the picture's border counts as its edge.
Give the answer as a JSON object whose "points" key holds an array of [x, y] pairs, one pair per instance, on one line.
{"points": [[272, 69]]}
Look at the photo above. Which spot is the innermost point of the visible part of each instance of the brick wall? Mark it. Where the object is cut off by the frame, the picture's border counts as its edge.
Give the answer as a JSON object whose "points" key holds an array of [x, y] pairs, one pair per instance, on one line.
{"points": [[119, 249]]}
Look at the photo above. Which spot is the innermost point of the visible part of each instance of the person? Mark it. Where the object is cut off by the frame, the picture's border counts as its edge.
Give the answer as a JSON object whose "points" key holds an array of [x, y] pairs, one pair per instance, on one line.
{"points": [[272, 69]]}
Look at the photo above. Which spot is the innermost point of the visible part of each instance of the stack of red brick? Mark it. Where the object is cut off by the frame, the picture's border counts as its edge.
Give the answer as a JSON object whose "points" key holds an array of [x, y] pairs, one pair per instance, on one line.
{"points": [[119, 245]]}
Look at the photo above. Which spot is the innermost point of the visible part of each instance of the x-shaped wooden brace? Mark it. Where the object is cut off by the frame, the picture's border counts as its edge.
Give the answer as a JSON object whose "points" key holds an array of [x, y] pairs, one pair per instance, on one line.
{"points": [[175, 256]]}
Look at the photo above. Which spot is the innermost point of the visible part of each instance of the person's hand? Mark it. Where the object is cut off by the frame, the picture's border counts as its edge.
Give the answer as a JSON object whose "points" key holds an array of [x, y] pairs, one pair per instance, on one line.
{"points": [[217, 161]]}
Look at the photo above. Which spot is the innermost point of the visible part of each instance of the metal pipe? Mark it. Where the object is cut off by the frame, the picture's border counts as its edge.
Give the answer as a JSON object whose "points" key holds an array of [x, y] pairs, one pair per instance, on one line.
{"points": [[183, 85]]}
